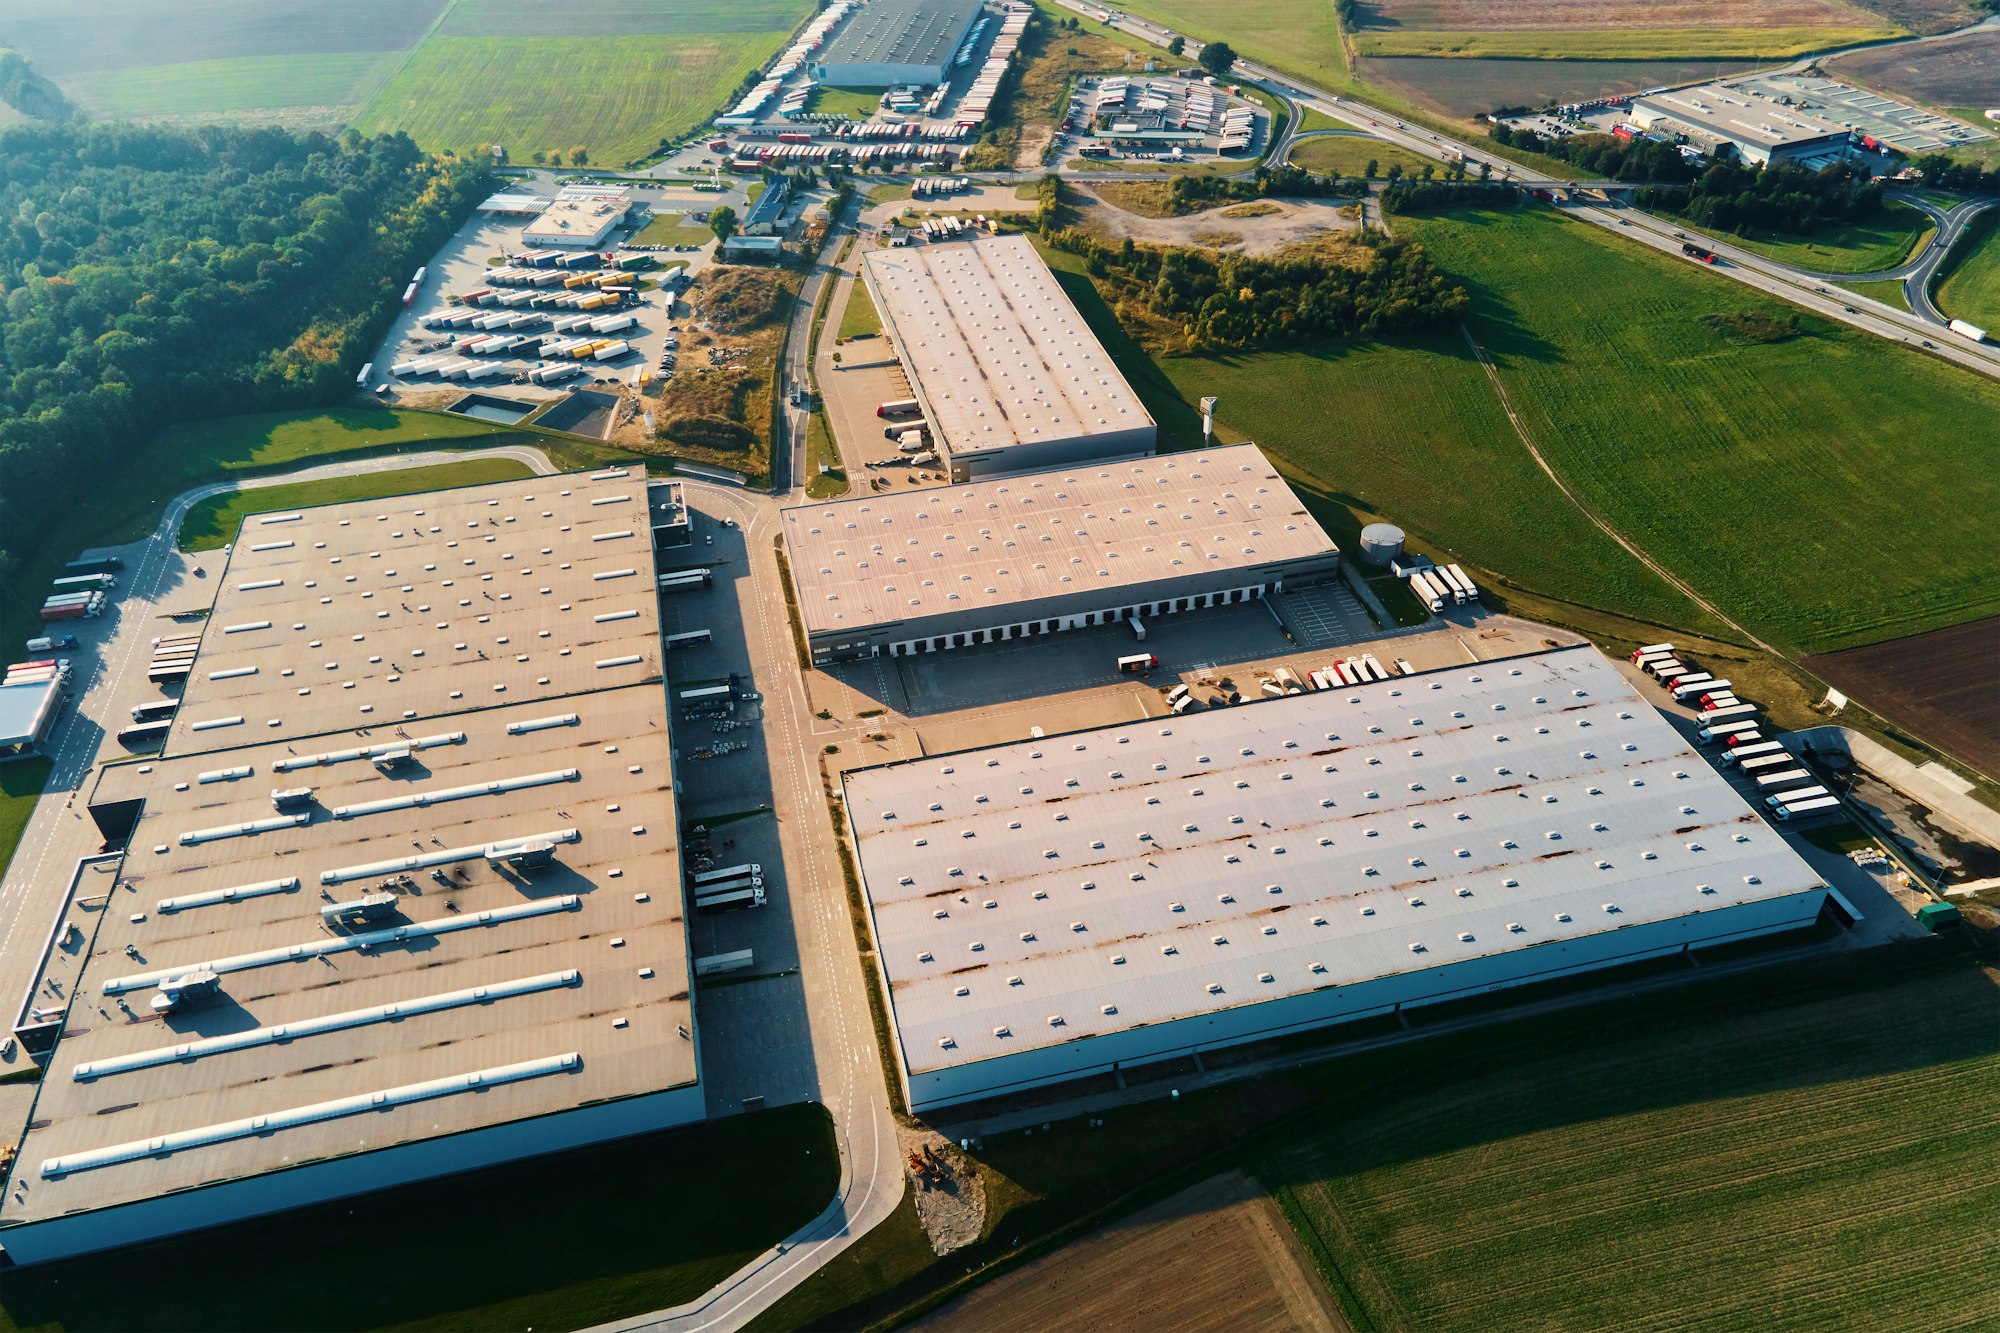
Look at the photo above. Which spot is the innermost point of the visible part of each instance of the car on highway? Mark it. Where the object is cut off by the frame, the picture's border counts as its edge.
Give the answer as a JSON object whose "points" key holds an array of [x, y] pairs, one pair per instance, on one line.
{"points": [[1848, 308]]}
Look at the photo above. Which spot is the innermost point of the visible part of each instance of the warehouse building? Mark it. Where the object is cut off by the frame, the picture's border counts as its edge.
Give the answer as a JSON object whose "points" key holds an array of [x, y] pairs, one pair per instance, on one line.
{"points": [[1756, 128], [896, 41], [1071, 905], [1000, 361], [416, 922], [922, 571], [582, 217]]}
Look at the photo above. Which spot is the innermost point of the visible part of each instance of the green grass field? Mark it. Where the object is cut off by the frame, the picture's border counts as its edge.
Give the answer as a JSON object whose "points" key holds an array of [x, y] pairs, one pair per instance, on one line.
{"points": [[1888, 293], [616, 96], [1302, 40], [860, 317], [1817, 1167], [1972, 290], [1794, 483], [212, 523], [859, 103], [238, 84], [1867, 247], [670, 229], [620, 18], [654, 1221], [1618, 43], [1349, 155], [20, 787], [1411, 430]]}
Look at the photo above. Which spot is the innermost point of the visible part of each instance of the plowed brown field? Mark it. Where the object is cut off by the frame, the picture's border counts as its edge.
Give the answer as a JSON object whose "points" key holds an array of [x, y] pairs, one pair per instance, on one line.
{"points": [[1941, 686], [1558, 15], [1217, 1256]]}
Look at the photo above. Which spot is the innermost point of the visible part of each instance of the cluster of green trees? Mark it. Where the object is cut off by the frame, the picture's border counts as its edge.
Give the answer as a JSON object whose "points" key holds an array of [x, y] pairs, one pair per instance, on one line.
{"points": [[1945, 174], [1413, 194], [1734, 198], [28, 92], [154, 275], [1604, 156], [1191, 194], [1238, 302]]}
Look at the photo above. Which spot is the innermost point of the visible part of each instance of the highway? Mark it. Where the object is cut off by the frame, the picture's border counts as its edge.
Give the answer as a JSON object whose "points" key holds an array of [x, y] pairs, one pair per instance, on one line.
{"points": [[1922, 332]]}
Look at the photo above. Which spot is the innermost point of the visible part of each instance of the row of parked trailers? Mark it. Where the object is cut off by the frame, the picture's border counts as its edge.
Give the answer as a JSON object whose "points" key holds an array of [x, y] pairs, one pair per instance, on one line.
{"points": [[1789, 790], [977, 103], [77, 596], [788, 64], [598, 289], [1437, 586], [173, 658]]}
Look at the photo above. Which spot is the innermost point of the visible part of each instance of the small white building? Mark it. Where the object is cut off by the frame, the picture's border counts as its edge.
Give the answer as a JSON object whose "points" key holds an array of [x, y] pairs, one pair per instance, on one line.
{"points": [[582, 217]]}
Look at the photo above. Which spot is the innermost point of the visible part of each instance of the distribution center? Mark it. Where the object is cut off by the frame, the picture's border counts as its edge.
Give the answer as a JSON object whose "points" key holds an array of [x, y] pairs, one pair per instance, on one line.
{"points": [[895, 42], [1053, 908], [1000, 362], [919, 571], [402, 896]]}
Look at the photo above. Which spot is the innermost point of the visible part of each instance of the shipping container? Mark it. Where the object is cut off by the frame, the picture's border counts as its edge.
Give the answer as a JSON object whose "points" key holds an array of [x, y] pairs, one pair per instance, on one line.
{"points": [[716, 964], [611, 351]]}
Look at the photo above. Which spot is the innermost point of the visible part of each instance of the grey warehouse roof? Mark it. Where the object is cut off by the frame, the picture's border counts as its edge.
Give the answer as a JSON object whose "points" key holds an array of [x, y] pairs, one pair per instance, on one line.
{"points": [[900, 32], [1001, 356], [1009, 541], [1040, 893], [1735, 113]]}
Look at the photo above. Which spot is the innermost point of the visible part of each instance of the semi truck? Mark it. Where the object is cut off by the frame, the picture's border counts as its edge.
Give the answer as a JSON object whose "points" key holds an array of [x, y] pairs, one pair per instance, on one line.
{"points": [[727, 873], [1738, 753], [897, 407], [1971, 332], [50, 643], [1818, 805], [1721, 729], [1651, 650], [1137, 662], [716, 964], [729, 902], [109, 564]]}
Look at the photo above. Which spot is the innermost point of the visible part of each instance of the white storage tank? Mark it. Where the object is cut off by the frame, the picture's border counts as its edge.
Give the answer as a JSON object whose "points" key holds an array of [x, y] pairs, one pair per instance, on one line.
{"points": [[1381, 543]]}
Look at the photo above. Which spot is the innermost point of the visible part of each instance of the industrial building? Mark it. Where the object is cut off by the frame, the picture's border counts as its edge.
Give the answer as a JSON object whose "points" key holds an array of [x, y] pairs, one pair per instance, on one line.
{"points": [[921, 571], [896, 41], [582, 217], [1758, 129], [1069, 905], [1003, 366], [768, 209], [415, 910]]}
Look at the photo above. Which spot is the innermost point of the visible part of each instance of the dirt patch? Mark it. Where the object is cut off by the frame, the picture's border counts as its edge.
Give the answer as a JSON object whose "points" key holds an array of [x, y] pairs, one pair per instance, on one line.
{"points": [[1289, 222], [1558, 15], [1217, 1256], [1474, 87], [1218, 240], [946, 1188], [1957, 71], [717, 408], [1261, 208], [1938, 685], [1148, 199]]}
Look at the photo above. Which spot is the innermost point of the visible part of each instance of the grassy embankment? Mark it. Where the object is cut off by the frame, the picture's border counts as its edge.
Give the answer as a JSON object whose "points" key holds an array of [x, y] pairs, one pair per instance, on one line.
{"points": [[860, 319], [1970, 288], [20, 787], [860, 103], [1617, 44], [1888, 293], [1864, 247], [212, 523], [489, 1260]]}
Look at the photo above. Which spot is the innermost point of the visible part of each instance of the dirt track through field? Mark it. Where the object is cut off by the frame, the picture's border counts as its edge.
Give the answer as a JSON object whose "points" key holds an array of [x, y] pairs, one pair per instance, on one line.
{"points": [[1219, 1255]]}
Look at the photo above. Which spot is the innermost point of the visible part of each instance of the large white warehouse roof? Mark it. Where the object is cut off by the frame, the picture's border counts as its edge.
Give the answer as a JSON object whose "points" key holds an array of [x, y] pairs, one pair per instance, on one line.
{"points": [[1010, 541], [1045, 892], [1000, 355]]}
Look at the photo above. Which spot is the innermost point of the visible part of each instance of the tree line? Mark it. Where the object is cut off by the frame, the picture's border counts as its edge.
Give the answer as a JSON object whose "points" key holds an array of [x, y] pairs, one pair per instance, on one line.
{"points": [[1605, 156], [152, 275], [28, 92], [1966, 177], [1735, 198]]}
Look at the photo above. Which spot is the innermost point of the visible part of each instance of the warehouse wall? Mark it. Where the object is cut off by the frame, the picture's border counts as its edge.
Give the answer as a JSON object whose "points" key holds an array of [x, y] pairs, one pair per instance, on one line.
{"points": [[362, 1173], [1045, 456], [1090, 606], [1298, 1013]]}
